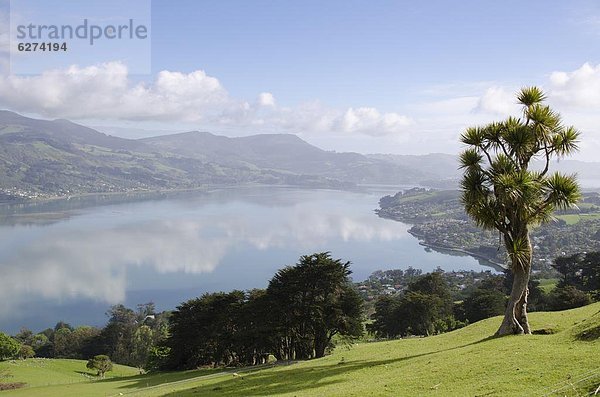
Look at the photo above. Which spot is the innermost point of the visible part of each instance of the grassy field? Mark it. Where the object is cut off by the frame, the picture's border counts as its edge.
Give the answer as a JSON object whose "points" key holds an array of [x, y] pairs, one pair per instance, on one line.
{"points": [[44, 372], [62, 377], [548, 284], [562, 359], [572, 219]]}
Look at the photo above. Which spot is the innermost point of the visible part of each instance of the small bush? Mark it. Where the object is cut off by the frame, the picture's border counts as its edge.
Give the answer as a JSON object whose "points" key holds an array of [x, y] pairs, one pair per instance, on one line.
{"points": [[26, 352], [101, 363]]}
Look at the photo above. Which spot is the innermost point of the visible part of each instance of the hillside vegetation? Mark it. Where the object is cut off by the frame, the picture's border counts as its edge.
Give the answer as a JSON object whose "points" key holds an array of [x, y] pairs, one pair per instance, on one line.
{"points": [[57, 158], [561, 358]]}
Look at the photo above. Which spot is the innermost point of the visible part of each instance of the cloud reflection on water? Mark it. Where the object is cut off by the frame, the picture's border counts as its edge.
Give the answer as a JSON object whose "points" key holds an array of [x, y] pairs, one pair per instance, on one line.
{"points": [[65, 261]]}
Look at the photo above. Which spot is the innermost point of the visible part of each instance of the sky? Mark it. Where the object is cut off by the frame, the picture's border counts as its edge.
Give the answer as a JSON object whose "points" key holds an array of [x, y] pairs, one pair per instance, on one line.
{"points": [[400, 77]]}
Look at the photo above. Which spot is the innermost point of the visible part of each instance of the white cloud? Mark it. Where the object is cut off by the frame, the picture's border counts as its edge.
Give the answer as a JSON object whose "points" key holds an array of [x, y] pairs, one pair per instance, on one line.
{"points": [[372, 122], [497, 100], [266, 99], [197, 100], [107, 92], [579, 88]]}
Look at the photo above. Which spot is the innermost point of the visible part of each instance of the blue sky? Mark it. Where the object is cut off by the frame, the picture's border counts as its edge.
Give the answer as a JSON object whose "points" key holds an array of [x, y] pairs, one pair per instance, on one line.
{"points": [[367, 76], [356, 53]]}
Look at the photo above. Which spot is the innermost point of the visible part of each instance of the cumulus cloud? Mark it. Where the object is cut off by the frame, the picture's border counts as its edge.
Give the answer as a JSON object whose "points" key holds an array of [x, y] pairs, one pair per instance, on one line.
{"points": [[106, 91], [266, 99], [497, 100], [197, 100], [580, 87], [372, 122]]}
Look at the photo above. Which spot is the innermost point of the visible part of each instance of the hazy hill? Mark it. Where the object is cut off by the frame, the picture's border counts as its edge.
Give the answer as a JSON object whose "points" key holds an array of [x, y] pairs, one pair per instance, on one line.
{"points": [[45, 158], [15, 126], [285, 152], [434, 165], [442, 170], [41, 158]]}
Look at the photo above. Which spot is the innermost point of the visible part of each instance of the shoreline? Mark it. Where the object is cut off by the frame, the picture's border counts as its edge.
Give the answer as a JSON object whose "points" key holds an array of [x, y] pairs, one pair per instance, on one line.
{"points": [[203, 188], [492, 263]]}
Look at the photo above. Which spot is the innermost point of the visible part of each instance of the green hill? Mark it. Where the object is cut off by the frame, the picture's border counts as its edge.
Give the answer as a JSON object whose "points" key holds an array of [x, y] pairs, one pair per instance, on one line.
{"points": [[561, 359], [58, 158]]}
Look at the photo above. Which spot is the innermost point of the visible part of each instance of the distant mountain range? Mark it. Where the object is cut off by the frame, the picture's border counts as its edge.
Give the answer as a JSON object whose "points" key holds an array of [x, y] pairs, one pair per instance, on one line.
{"points": [[55, 158], [42, 158]]}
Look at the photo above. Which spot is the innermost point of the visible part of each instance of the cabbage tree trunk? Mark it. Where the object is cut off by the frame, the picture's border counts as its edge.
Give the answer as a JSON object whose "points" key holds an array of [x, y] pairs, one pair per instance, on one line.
{"points": [[515, 318]]}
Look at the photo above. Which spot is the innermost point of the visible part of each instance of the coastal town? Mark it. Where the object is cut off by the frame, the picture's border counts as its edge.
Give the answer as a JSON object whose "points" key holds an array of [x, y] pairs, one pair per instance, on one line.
{"points": [[439, 222]]}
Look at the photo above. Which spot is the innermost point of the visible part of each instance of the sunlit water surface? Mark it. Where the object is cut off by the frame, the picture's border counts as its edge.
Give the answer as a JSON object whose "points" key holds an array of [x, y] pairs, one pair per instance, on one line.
{"points": [[71, 259]]}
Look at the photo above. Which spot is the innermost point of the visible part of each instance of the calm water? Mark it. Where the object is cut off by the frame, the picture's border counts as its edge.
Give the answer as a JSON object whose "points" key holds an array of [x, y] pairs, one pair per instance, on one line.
{"points": [[70, 260]]}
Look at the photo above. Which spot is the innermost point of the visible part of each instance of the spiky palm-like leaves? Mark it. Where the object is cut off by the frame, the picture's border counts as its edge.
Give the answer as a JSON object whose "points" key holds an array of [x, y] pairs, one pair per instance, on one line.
{"points": [[501, 192]]}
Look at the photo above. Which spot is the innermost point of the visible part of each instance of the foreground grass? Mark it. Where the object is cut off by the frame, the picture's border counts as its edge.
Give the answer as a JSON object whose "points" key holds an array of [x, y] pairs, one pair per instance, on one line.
{"points": [[63, 377], [464, 362]]}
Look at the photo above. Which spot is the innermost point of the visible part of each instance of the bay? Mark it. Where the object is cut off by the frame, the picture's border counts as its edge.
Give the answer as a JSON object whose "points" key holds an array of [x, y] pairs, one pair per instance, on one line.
{"points": [[70, 260]]}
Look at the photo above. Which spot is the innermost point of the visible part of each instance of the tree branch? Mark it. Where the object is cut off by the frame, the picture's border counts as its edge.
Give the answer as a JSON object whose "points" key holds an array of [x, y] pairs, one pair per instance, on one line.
{"points": [[489, 158], [547, 159]]}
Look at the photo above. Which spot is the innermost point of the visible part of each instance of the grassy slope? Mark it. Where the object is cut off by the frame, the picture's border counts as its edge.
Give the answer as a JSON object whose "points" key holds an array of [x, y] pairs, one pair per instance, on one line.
{"points": [[572, 219], [458, 363], [65, 378], [464, 362], [40, 373]]}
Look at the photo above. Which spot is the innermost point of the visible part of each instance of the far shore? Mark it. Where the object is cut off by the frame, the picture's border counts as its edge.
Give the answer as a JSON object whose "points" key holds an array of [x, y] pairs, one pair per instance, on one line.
{"points": [[494, 264]]}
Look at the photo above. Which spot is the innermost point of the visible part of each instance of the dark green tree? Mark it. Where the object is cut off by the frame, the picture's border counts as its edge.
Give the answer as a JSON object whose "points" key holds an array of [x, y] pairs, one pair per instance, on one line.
{"points": [[433, 284], [483, 303], [426, 308], [142, 345], [116, 338], [63, 343], [40, 343], [9, 347], [501, 191], [568, 297], [386, 323], [257, 337], [158, 358], [312, 302], [25, 336], [203, 330], [581, 271], [421, 314]]}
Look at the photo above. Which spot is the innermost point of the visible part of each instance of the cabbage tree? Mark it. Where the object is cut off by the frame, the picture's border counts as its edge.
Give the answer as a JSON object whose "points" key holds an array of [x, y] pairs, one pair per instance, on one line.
{"points": [[502, 191]]}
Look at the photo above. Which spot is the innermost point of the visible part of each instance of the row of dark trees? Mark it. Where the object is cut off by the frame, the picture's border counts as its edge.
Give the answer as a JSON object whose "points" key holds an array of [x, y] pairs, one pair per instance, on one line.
{"points": [[425, 308], [128, 338], [303, 312], [297, 317], [304, 308]]}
